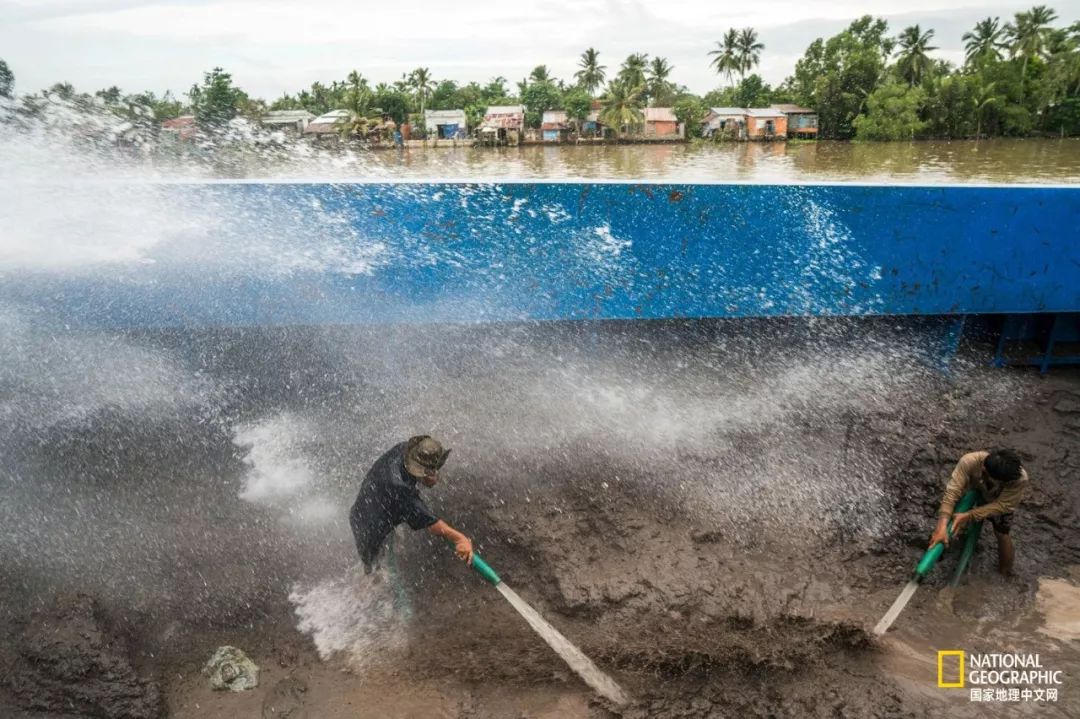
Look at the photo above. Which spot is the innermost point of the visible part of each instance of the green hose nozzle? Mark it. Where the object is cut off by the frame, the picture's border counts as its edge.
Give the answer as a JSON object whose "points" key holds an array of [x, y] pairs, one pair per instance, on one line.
{"points": [[932, 555], [484, 570]]}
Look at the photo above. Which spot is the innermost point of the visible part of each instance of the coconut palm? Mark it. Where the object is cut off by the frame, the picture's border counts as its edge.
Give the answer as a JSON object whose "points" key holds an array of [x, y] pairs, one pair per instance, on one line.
{"points": [[657, 84], [621, 106], [357, 93], [748, 50], [983, 97], [540, 74], [725, 58], [633, 68], [985, 42], [1027, 36], [913, 63], [420, 81], [591, 74]]}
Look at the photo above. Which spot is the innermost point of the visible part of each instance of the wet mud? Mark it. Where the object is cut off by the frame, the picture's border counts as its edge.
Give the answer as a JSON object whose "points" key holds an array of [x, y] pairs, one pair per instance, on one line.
{"points": [[715, 513]]}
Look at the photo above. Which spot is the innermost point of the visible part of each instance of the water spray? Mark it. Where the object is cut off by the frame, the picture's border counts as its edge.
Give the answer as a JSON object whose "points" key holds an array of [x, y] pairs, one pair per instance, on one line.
{"points": [[930, 558], [600, 682]]}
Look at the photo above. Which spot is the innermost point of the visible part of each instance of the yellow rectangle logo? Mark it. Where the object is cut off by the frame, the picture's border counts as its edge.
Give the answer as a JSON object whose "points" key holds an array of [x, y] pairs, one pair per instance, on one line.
{"points": [[959, 654]]}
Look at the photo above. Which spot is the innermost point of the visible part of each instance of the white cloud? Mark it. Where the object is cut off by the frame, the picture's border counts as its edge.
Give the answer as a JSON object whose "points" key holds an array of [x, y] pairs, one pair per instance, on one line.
{"points": [[272, 46]]}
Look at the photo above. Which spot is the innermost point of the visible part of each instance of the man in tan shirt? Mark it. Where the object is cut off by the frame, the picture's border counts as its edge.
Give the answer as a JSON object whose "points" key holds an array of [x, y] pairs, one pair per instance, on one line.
{"points": [[1002, 482]]}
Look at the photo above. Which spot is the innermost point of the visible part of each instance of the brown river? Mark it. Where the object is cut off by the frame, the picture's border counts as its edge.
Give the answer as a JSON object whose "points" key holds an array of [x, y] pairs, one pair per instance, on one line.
{"points": [[987, 161]]}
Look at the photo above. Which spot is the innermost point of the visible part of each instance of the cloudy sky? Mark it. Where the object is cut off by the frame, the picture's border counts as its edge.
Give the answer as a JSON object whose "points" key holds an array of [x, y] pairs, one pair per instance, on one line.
{"points": [[273, 46]]}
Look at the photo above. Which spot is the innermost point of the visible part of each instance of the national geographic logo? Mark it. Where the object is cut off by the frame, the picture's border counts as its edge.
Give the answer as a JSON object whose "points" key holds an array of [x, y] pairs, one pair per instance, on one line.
{"points": [[957, 663], [998, 677]]}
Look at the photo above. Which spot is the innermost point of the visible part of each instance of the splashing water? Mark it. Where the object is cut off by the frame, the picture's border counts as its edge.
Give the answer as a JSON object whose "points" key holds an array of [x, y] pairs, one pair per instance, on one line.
{"points": [[601, 683]]}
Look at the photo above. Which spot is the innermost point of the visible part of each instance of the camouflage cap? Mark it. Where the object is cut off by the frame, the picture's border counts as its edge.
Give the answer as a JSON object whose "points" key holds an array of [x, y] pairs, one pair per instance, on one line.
{"points": [[422, 453]]}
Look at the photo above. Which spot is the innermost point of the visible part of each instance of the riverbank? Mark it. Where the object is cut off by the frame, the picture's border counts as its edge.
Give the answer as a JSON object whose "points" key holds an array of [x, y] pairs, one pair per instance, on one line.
{"points": [[922, 162]]}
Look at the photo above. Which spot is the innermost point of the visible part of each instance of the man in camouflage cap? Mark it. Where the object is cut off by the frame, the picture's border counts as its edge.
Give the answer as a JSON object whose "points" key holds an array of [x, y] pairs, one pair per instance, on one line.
{"points": [[389, 496]]}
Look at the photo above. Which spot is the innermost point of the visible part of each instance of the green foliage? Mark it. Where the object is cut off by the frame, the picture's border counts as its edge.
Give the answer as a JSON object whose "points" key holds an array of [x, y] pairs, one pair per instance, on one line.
{"points": [[726, 57], [577, 104], [659, 90], [7, 80], [837, 76], [621, 107], [591, 75], [216, 101], [538, 96], [892, 113], [913, 64], [690, 111], [632, 72]]}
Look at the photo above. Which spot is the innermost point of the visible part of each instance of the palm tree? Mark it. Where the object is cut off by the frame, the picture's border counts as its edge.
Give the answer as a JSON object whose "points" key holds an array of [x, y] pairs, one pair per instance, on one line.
{"points": [[621, 106], [591, 74], [913, 62], [420, 81], [983, 96], [540, 74], [657, 84], [748, 51], [726, 56], [984, 43], [1027, 36], [358, 94], [632, 71]]}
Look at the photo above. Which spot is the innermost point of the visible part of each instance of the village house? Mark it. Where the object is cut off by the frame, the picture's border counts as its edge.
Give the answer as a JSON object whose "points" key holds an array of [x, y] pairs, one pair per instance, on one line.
{"points": [[801, 121], [661, 122], [182, 128], [725, 122], [327, 126], [765, 124], [291, 122], [446, 124], [592, 126], [554, 126], [502, 125]]}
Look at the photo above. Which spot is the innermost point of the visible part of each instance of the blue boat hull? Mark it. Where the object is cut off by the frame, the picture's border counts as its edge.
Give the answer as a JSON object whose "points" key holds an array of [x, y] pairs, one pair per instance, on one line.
{"points": [[364, 253]]}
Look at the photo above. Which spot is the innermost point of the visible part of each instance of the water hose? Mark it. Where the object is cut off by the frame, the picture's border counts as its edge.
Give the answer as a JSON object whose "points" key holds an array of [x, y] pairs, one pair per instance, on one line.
{"points": [[970, 541], [930, 558], [484, 570], [932, 555]]}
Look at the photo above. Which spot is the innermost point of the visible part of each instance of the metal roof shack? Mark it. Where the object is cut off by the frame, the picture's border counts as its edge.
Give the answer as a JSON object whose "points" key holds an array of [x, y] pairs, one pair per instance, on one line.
{"points": [[327, 124], [295, 120], [445, 124], [802, 121], [764, 112], [510, 117], [660, 114], [183, 127], [555, 120], [727, 111]]}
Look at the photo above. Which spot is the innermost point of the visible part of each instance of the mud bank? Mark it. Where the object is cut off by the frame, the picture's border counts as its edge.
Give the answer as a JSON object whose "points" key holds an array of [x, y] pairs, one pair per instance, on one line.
{"points": [[716, 513]]}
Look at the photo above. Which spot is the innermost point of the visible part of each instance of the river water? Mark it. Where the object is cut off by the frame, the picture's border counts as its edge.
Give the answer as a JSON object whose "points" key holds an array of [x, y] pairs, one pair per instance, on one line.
{"points": [[988, 161]]}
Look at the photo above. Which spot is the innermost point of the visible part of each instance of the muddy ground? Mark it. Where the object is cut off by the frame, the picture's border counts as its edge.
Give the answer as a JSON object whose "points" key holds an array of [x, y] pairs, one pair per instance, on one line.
{"points": [[716, 514]]}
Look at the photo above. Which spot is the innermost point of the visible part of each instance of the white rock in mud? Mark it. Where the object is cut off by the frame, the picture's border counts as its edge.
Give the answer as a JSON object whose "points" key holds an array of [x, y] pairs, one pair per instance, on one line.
{"points": [[231, 669]]}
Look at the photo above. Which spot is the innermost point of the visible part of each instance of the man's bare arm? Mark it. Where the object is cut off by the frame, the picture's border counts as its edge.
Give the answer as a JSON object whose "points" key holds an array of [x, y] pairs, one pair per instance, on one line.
{"points": [[462, 544]]}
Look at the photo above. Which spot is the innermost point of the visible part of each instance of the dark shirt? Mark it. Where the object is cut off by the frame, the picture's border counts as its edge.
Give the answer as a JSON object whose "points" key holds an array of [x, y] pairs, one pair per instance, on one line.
{"points": [[388, 496]]}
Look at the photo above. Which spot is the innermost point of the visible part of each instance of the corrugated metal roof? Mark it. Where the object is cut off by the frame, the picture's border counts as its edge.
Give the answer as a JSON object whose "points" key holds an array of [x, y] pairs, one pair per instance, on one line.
{"points": [[728, 111], [789, 109], [275, 116], [506, 110], [763, 112], [660, 114], [444, 114]]}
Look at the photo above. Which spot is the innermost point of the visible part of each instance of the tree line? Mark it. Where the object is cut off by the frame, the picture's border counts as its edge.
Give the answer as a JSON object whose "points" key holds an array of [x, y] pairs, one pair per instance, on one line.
{"points": [[1020, 77]]}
